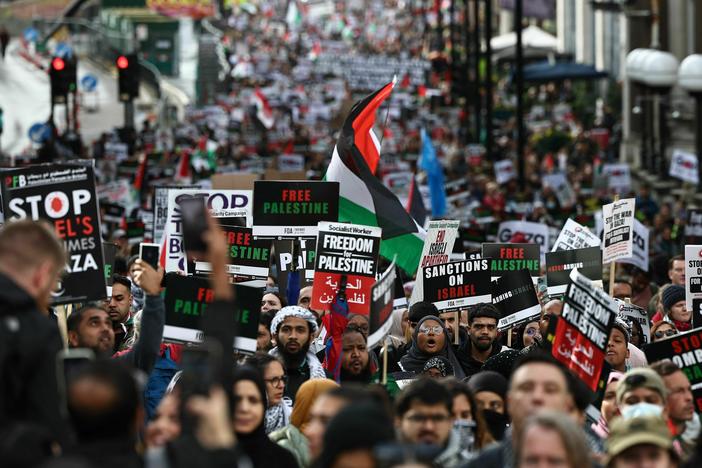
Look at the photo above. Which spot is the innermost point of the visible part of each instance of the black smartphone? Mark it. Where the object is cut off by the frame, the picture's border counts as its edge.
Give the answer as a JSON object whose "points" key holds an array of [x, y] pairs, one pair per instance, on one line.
{"points": [[150, 253], [69, 363], [194, 216], [201, 364]]}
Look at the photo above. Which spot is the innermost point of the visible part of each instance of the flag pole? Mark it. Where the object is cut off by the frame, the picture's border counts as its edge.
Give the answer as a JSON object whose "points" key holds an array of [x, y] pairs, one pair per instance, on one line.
{"points": [[384, 381], [62, 322]]}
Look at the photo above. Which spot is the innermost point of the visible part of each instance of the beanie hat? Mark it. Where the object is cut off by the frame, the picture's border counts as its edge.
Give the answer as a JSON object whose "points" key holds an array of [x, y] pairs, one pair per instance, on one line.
{"points": [[293, 311], [488, 381], [421, 309], [671, 295]]}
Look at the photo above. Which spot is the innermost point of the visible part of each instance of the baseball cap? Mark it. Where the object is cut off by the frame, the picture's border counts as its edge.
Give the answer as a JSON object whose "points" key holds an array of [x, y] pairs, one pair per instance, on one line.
{"points": [[627, 433], [640, 377]]}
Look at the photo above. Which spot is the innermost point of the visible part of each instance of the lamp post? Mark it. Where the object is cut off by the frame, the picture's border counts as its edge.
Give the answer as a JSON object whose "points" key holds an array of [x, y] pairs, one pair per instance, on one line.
{"points": [[690, 79]]}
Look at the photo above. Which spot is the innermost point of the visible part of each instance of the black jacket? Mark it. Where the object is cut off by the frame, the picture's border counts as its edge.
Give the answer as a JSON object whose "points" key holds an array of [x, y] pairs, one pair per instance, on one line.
{"points": [[29, 342], [470, 365]]}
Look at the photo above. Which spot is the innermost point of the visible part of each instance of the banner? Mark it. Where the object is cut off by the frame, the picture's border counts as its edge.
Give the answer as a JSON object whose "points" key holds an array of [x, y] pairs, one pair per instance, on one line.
{"points": [[293, 209], [693, 227], [458, 284], [639, 256], [63, 195], [285, 262], [437, 248], [582, 332], [504, 171], [512, 257], [618, 218], [633, 313], [618, 177], [683, 166], [575, 236], [537, 233], [382, 295], [349, 250], [246, 254], [515, 297], [187, 298], [221, 203], [559, 264], [685, 350]]}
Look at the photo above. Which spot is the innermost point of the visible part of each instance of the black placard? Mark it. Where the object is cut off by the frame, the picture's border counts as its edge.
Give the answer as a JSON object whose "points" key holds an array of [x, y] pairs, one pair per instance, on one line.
{"points": [[515, 297], [246, 255], [65, 196], [382, 295], [559, 264], [458, 284], [512, 257], [109, 253]]}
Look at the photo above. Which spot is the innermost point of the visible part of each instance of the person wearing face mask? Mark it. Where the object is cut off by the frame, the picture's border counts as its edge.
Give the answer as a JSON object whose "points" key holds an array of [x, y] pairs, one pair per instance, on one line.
{"points": [[249, 422], [430, 339], [641, 393], [467, 410]]}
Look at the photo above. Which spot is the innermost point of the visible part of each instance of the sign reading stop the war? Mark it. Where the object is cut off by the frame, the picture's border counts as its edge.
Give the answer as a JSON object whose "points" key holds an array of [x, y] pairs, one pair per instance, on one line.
{"points": [[618, 220], [65, 196]]}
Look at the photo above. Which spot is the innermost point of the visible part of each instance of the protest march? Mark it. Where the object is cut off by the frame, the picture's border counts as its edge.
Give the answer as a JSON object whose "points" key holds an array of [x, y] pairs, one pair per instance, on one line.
{"points": [[327, 265]]}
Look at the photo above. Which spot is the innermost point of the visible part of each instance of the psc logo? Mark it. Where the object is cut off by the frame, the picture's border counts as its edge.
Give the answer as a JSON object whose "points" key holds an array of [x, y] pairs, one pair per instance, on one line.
{"points": [[15, 181]]}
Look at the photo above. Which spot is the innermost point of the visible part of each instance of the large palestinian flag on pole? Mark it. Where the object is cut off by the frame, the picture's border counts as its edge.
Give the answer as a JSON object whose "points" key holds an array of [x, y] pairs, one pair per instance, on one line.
{"points": [[363, 199]]}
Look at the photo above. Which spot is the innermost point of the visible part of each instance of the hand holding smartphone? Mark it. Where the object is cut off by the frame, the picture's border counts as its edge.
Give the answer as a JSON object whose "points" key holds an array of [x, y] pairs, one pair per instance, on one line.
{"points": [[150, 253]]}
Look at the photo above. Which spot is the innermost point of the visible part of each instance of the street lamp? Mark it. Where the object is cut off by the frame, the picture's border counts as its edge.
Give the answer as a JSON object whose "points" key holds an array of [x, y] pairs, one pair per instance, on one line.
{"points": [[690, 79]]}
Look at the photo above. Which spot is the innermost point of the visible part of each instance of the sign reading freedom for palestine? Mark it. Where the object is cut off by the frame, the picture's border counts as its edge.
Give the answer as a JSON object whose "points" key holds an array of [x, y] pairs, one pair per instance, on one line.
{"points": [[458, 284], [350, 250], [293, 209]]}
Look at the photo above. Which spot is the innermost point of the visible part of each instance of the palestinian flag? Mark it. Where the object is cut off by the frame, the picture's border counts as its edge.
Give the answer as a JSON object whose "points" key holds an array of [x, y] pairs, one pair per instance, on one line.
{"points": [[363, 199], [415, 204]]}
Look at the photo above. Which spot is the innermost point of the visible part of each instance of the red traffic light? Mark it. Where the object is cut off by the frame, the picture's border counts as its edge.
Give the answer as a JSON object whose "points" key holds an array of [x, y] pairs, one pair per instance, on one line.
{"points": [[122, 62], [58, 64]]}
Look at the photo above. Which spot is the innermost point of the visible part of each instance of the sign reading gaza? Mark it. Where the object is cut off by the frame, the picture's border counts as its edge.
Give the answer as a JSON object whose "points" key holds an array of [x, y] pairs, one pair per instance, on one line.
{"points": [[512, 257], [458, 284], [350, 250], [290, 208], [64, 195], [186, 300]]}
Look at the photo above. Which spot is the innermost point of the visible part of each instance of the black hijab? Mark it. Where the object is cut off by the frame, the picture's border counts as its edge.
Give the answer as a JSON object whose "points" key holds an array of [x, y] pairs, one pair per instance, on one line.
{"points": [[256, 445], [415, 359]]}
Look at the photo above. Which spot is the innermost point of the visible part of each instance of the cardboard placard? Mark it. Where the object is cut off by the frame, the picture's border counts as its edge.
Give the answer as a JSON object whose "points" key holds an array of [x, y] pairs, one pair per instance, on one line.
{"points": [[246, 254], [458, 284], [618, 218], [350, 250], [515, 297], [437, 248], [685, 350], [186, 299], [512, 257], [575, 236], [64, 195], [639, 254], [582, 332], [382, 296], [633, 313], [559, 265], [293, 209]]}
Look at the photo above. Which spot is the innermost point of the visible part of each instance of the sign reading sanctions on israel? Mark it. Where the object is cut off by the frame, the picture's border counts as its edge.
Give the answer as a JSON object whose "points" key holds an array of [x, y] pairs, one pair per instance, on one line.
{"points": [[293, 209], [458, 284], [348, 250]]}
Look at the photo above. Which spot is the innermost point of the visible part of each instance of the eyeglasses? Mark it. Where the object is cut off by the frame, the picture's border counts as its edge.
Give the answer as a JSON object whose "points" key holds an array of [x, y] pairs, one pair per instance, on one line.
{"points": [[435, 330], [422, 418], [276, 381], [661, 334]]}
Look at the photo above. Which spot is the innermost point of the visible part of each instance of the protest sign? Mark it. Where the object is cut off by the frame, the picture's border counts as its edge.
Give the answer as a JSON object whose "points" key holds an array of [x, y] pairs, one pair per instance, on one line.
{"points": [[351, 251], [382, 295], [112, 212], [457, 284], [246, 255], [293, 209], [160, 207], [633, 313], [639, 255], [575, 236], [437, 248], [512, 257], [221, 203], [109, 253], [135, 231], [618, 218], [683, 166], [117, 150], [537, 233], [693, 227], [582, 332], [558, 182], [285, 260], [399, 297], [618, 176], [693, 275], [291, 162], [685, 350], [118, 192], [504, 171], [515, 297], [559, 264], [64, 195], [187, 298]]}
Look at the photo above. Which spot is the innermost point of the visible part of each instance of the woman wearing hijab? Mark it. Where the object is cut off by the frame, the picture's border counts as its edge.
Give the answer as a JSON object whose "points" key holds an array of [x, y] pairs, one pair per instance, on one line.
{"points": [[279, 408], [249, 422], [430, 339]]}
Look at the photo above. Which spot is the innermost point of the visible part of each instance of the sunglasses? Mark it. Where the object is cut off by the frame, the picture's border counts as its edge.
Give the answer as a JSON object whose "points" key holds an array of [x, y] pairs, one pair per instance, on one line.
{"points": [[661, 334]]}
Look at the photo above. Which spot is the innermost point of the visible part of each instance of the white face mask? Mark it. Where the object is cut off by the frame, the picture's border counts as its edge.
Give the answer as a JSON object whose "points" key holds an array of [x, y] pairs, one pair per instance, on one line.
{"points": [[642, 409]]}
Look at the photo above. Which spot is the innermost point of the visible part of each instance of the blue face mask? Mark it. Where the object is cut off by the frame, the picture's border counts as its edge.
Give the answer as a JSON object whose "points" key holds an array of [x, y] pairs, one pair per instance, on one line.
{"points": [[642, 409]]}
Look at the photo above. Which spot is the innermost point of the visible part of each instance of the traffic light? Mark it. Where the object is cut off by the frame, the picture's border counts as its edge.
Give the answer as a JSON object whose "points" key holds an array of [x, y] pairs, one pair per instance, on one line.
{"points": [[128, 71], [63, 77]]}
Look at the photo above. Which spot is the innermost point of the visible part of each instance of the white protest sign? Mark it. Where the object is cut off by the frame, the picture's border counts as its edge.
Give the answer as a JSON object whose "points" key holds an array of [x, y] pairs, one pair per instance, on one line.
{"points": [[118, 151], [619, 176], [632, 313], [693, 274], [561, 187], [532, 232], [683, 166], [504, 171], [438, 245], [639, 255], [221, 203], [291, 162], [575, 236], [618, 220]]}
